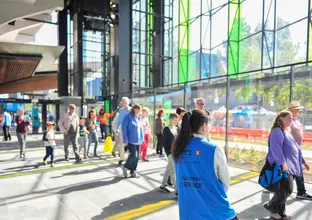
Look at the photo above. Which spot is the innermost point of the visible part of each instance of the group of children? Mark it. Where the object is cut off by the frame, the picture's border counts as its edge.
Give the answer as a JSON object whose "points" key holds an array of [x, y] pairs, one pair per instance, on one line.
{"points": [[49, 140]]}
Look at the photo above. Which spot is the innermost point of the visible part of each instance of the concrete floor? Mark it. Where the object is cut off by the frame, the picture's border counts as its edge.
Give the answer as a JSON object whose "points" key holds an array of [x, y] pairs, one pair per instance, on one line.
{"points": [[96, 189]]}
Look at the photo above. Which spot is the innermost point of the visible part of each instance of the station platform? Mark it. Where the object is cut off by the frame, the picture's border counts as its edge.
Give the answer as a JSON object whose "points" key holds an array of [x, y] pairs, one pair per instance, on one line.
{"points": [[95, 189]]}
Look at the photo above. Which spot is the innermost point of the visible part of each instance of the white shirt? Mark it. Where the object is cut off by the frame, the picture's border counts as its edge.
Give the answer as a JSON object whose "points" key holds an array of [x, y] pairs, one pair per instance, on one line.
{"points": [[220, 165], [50, 135]]}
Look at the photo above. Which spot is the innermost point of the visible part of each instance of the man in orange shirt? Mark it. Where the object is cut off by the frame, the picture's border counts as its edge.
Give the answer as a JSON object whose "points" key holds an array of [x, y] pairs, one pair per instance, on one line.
{"points": [[103, 119]]}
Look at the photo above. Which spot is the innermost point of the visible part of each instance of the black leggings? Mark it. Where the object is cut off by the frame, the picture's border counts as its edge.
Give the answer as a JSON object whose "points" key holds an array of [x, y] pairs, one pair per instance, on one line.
{"points": [[278, 202], [159, 148]]}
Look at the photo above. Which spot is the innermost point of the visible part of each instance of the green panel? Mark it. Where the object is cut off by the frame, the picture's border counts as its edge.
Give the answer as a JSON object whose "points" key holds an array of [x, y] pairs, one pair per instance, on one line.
{"points": [[234, 32], [184, 39], [107, 106], [192, 70]]}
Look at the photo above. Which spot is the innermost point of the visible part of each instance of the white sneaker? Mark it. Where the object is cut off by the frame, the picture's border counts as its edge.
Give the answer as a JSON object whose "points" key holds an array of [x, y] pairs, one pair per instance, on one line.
{"points": [[125, 171]]}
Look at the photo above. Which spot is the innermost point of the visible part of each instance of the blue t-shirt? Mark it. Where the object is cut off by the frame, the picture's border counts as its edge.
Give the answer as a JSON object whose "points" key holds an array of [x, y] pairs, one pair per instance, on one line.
{"points": [[201, 194]]}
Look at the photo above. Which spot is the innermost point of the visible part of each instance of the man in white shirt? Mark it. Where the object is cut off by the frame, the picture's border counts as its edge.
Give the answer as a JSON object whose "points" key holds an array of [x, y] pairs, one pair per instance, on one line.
{"points": [[69, 125]]}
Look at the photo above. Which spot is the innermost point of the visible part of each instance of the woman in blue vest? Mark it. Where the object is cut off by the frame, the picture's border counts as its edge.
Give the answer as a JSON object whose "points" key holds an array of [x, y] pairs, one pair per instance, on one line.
{"points": [[202, 174]]}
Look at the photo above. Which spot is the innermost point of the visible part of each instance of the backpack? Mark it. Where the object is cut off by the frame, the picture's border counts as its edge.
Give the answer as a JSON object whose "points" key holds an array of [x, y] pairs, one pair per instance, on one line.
{"points": [[44, 136]]}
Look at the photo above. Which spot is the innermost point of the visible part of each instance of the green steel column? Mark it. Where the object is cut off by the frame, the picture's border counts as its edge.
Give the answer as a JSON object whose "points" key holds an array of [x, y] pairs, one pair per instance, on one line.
{"points": [[184, 39], [234, 36]]}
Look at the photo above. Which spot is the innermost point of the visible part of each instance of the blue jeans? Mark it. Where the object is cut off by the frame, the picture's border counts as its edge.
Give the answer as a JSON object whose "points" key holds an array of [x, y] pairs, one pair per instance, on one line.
{"points": [[133, 158], [92, 138], [103, 128], [49, 151]]}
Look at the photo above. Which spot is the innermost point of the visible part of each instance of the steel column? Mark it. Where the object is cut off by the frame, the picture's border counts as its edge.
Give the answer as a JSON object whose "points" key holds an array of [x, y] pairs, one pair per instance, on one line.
{"points": [[62, 75]]}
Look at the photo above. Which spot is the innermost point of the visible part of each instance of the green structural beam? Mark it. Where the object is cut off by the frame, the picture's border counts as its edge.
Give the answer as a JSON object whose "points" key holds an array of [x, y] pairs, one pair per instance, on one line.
{"points": [[184, 39]]}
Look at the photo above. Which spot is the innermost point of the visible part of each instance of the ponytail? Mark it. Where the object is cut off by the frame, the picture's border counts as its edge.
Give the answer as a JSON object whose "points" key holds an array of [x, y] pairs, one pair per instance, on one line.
{"points": [[183, 137], [191, 123]]}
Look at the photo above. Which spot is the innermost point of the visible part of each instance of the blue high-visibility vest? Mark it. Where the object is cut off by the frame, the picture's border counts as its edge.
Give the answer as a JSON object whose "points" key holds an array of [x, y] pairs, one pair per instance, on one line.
{"points": [[201, 194]]}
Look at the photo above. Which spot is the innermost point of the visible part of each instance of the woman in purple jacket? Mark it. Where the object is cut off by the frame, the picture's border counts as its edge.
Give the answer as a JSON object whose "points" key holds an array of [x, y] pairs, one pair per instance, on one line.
{"points": [[284, 151]]}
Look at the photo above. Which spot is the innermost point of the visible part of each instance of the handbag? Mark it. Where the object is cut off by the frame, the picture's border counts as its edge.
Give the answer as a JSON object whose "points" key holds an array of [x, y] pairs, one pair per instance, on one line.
{"points": [[271, 175], [108, 146]]}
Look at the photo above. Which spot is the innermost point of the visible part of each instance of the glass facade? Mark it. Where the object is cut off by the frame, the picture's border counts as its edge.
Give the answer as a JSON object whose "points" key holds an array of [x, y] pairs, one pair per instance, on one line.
{"points": [[92, 52], [246, 58]]}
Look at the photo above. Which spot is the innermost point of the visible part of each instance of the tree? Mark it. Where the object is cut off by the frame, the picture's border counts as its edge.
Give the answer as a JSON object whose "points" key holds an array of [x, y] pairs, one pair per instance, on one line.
{"points": [[276, 93]]}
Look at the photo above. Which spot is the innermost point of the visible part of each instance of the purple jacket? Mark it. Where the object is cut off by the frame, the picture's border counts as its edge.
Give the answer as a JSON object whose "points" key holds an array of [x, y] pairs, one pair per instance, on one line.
{"points": [[283, 148], [22, 125]]}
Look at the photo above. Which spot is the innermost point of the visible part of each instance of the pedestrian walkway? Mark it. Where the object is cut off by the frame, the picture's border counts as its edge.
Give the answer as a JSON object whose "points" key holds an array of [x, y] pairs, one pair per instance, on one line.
{"points": [[96, 189]]}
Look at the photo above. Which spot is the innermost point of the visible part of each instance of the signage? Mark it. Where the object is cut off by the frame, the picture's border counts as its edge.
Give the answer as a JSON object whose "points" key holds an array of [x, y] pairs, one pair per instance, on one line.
{"points": [[13, 107]]}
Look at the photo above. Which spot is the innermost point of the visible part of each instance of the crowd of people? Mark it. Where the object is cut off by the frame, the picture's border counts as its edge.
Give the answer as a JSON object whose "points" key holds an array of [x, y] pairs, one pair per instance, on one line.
{"points": [[197, 169]]}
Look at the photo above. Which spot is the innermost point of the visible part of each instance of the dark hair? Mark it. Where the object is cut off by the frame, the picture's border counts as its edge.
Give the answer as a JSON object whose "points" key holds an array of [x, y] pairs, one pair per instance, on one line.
{"points": [[135, 107], [180, 110], [160, 112], [191, 123], [102, 112], [173, 115], [82, 117]]}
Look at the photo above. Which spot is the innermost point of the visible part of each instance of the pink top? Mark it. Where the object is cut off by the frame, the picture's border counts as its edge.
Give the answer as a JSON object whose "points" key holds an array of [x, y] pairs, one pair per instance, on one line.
{"points": [[297, 131], [146, 125]]}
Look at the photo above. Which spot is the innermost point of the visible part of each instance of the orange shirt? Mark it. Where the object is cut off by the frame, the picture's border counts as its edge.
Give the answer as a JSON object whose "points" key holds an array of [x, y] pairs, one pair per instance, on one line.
{"points": [[103, 119]]}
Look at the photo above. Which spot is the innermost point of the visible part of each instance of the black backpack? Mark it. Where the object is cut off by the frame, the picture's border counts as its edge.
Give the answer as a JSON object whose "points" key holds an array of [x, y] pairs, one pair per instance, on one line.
{"points": [[44, 136]]}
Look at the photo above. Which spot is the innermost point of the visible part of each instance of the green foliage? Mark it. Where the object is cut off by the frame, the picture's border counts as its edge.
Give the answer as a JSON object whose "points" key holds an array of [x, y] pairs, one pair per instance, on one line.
{"points": [[276, 93]]}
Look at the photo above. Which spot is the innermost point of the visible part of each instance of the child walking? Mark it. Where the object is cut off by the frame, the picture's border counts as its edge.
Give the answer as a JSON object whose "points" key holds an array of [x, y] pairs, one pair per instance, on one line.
{"points": [[83, 139], [147, 132], [49, 143], [169, 134]]}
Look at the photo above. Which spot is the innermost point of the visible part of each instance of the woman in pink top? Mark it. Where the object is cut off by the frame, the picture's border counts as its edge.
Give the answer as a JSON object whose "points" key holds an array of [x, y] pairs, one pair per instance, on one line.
{"points": [[147, 132]]}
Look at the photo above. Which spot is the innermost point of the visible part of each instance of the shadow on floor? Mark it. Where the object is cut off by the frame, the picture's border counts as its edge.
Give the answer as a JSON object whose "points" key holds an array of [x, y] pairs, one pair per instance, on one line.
{"points": [[90, 185], [256, 211], [88, 171], [134, 202]]}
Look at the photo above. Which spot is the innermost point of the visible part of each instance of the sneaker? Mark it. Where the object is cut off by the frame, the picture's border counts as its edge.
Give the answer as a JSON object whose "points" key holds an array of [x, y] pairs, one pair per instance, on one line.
{"points": [[164, 189], [52, 164], [145, 160], [125, 171], [78, 160], [45, 162], [134, 175], [275, 216], [114, 154], [120, 162], [95, 155], [176, 193], [162, 155], [66, 159], [304, 196]]}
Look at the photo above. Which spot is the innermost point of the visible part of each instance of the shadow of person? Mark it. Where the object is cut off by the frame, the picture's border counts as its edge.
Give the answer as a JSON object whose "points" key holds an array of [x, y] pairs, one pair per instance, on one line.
{"points": [[87, 171], [134, 202], [90, 185], [256, 211]]}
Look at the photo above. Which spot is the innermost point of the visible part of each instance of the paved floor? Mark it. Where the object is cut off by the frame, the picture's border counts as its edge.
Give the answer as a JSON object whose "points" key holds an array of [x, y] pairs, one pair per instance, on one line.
{"points": [[96, 189]]}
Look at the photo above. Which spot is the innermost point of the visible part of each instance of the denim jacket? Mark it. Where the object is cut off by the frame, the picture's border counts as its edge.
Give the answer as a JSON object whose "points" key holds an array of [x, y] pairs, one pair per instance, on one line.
{"points": [[132, 130]]}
